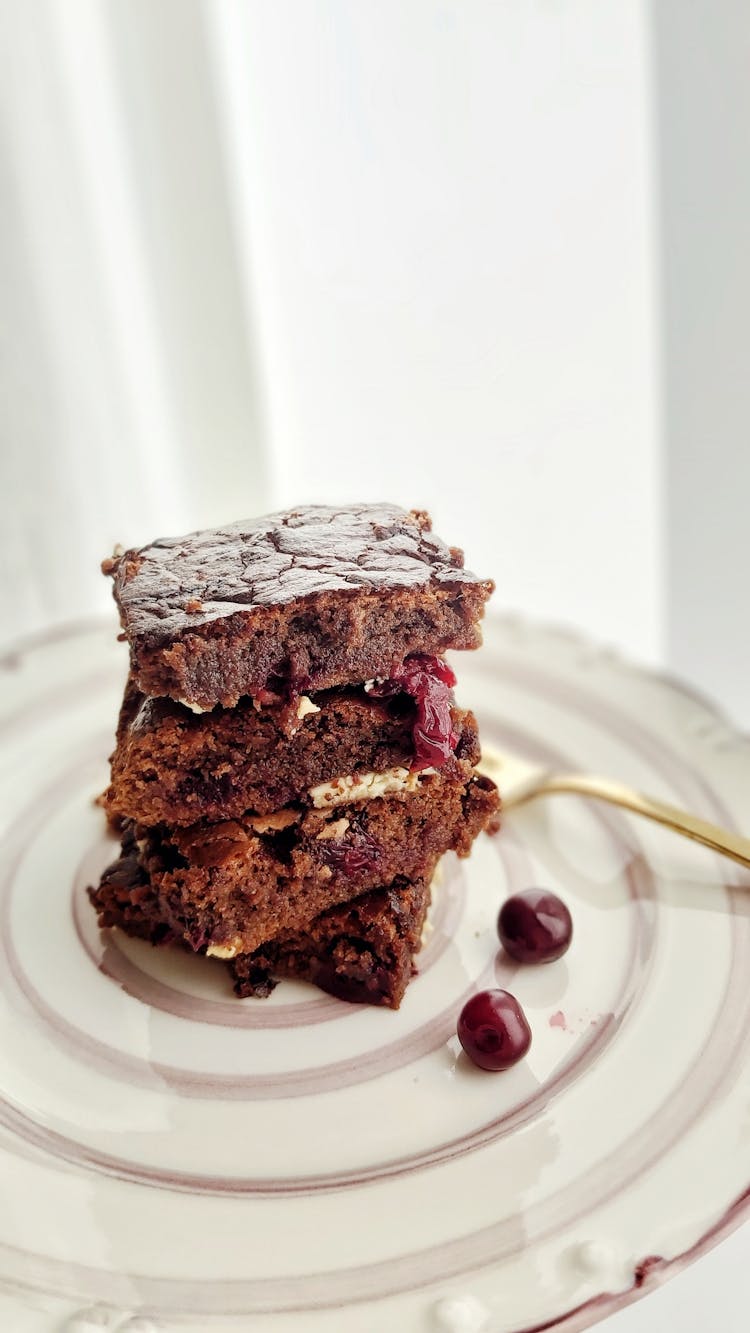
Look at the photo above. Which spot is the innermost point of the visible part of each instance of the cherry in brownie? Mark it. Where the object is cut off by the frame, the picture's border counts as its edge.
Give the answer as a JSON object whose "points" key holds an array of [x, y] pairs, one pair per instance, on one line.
{"points": [[293, 603], [174, 766]]}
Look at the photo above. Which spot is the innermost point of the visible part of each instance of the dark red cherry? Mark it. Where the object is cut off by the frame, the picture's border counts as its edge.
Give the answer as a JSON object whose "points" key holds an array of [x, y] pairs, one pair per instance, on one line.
{"points": [[493, 1030], [429, 681], [534, 926]]}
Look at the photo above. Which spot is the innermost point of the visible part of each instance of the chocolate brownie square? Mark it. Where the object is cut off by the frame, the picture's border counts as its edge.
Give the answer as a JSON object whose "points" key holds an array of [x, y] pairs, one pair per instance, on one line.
{"points": [[292, 603]]}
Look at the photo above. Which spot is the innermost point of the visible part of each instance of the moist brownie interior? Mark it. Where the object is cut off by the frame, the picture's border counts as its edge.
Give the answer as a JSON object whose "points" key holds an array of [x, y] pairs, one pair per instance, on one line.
{"points": [[173, 766], [232, 885]]}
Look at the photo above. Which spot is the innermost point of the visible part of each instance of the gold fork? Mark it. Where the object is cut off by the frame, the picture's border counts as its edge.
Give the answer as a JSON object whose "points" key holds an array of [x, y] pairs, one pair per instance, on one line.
{"points": [[520, 781]]}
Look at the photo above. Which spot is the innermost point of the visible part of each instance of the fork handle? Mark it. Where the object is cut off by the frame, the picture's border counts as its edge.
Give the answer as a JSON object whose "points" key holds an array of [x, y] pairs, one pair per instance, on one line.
{"points": [[700, 830]]}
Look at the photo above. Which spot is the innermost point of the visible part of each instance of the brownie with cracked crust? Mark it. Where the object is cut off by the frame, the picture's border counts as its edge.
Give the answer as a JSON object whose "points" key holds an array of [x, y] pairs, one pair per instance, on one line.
{"points": [[289, 604], [361, 951], [172, 766], [232, 885]]}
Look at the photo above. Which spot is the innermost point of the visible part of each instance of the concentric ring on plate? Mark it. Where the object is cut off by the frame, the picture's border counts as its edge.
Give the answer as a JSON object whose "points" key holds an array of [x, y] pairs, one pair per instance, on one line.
{"points": [[428, 1037]]}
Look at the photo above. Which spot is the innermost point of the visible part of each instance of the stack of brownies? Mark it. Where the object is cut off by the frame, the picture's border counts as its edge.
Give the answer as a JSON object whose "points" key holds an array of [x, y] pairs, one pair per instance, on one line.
{"points": [[290, 764]]}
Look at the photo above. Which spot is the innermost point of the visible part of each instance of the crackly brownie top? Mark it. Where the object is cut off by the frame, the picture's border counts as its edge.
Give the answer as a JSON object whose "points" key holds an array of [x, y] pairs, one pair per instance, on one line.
{"points": [[183, 582]]}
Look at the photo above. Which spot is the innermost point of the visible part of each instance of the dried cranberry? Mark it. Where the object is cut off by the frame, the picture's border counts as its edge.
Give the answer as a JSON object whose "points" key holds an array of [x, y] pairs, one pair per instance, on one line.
{"points": [[535, 926], [493, 1030], [353, 855], [428, 681]]}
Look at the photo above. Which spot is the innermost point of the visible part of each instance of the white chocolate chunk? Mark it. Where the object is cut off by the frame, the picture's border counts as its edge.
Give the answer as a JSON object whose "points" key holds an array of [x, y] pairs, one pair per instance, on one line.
{"points": [[223, 950], [366, 786]]}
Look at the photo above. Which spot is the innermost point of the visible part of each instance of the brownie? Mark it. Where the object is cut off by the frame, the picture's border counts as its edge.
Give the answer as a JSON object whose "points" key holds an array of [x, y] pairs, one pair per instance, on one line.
{"points": [[233, 885], [362, 951], [301, 601], [176, 767]]}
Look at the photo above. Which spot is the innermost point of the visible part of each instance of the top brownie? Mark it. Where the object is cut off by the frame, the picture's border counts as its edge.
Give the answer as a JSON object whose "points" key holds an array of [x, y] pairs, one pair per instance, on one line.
{"points": [[309, 599]]}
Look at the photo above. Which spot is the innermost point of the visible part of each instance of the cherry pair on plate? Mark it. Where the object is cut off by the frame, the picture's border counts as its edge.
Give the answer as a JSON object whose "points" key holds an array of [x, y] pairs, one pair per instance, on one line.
{"points": [[534, 927]]}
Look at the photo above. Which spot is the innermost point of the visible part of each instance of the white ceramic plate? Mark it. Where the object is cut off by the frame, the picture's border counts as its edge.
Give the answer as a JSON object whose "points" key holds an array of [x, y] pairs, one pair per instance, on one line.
{"points": [[173, 1158]]}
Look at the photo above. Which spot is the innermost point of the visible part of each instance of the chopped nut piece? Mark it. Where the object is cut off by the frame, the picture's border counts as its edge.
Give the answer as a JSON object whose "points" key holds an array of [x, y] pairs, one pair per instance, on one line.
{"points": [[274, 823], [366, 786], [333, 831]]}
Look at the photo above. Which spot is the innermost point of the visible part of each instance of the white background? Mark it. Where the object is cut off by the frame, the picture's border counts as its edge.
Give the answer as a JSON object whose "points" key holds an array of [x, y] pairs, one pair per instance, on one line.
{"points": [[485, 257]]}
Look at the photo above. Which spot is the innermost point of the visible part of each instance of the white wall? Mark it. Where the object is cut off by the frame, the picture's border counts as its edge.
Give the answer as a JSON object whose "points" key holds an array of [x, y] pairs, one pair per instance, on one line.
{"points": [[703, 103], [418, 233], [129, 399], [449, 214]]}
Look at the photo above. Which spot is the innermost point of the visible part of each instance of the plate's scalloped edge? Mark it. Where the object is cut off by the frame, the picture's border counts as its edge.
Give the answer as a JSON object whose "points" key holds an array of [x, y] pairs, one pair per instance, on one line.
{"points": [[652, 1271], [611, 655]]}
